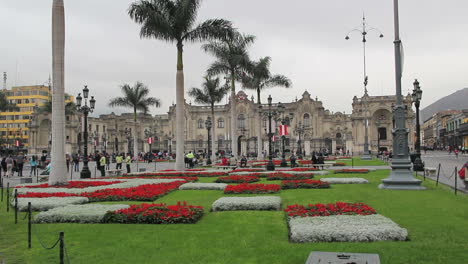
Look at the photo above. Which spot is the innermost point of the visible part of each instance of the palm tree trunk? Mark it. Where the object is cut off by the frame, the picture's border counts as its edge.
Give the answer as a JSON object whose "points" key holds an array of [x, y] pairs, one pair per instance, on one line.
{"points": [[213, 136], [233, 116], [135, 135], [58, 175], [180, 105], [258, 97]]}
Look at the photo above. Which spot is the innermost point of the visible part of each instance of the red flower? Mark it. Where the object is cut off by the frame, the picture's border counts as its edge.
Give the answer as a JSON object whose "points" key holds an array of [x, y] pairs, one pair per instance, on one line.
{"points": [[288, 176], [304, 184], [338, 208], [245, 188], [46, 195]]}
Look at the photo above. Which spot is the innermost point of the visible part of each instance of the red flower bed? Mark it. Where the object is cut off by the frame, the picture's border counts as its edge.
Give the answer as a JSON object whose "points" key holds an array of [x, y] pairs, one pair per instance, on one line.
{"points": [[246, 170], [286, 176], [304, 184], [195, 170], [237, 179], [304, 162], [46, 195], [339, 164], [352, 171], [245, 188], [338, 208], [168, 170], [188, 179], [74, 184], [147, 192], [260, 174], [156, 214], [178, 174], [303, 169]]}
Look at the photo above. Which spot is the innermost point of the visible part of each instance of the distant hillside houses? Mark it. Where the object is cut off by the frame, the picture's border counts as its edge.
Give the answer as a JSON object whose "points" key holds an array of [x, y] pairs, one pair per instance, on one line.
{"points": [[446, 129]]}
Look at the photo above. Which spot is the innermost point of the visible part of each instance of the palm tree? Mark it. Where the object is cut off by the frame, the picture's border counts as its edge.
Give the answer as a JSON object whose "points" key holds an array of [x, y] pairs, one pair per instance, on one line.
{"points": [[174, 21], [58, 175], [70, 107], [135, 97], [232, 60], [258, 78], [5, 105], [211, 94]]}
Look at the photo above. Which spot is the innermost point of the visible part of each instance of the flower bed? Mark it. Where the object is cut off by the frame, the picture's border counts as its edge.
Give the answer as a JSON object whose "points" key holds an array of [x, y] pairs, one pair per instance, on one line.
{"points": [[147, 192], [156, 214], [345, 180], [237, 179], [247, 203], [73, 184], [203, 186], [338, 208], [303, 169], [286, 176], [245, 188], [352, 171], [188, 179], [246, 170], [195, 170], [304, 162], [304, 184], [44, 204], [339, 164], [88, 213], [178, 174], [46, 195], [344, 228]]}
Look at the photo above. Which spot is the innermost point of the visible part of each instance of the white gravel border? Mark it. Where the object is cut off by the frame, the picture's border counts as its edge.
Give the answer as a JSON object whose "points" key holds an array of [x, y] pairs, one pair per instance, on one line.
{"points": [[44, 204]]}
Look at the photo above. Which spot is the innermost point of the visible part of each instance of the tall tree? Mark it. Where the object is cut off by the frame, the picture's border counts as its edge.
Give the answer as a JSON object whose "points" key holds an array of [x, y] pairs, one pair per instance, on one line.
{"points": [[211, 94], [174, 21], [232, 60], [5, 105], [135, 97], [58, 175], [258, 78], [70, 107]]}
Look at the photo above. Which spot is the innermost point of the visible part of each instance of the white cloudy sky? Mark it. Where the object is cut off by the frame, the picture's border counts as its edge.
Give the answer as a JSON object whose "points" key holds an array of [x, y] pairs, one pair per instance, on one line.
{"points": [[304, 38]]}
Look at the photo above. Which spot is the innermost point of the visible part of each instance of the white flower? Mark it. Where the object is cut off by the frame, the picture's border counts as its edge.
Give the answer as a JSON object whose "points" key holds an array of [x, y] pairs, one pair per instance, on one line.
{"points": [[283, 171], [247, 203], [44, 204], [344, 228], [88, 213], [203, 186], [344, 180]]}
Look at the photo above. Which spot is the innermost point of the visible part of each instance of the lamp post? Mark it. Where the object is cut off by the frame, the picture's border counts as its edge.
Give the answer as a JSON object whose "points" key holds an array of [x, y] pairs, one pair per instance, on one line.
{"points": [[364, 30], [299, 130], [285, 120], [416, 96], [377, 124], [128, 134], [104, 141], [270, 114], [85, 109], [400, 178], [208, 125]]}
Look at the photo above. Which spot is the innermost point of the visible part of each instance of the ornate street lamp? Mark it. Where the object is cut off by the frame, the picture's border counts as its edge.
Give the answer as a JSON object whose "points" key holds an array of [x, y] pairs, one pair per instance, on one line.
{"points": [[128, 135], [400, 178], [418, 165], [270, 114], [364, 30], [299, 130], [285, 120], [85, 109], [208, 125]]}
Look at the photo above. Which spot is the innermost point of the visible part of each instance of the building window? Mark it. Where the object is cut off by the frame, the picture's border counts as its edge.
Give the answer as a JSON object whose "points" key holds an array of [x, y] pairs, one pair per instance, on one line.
{"points": [[200, 123], [306, 120], [200, 143], [97, 128], [264, 122], [382, 133], [241, 121], [220, 123]]}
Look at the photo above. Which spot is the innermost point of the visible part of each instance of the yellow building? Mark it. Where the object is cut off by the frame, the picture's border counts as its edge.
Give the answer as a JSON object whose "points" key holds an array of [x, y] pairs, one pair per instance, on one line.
{"points": [[14, 126]]}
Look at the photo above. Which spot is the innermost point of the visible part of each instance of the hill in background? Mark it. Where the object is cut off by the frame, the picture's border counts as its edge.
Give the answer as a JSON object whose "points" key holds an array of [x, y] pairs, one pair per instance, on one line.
{"points": [[456, 101]]}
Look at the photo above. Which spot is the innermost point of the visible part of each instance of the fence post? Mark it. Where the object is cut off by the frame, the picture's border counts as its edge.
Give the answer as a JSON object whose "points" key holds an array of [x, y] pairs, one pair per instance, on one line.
{"points": [[1, 185], [424, 174], [62, 245], [438, 174], [29, 224], [8, 197], [95, 169], [16, 206], [71, 174], [456, 176], [352, 162]]}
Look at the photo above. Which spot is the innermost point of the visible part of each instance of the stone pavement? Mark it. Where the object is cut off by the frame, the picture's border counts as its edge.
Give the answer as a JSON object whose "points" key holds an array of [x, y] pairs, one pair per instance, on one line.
{"points": [[447, 162]]}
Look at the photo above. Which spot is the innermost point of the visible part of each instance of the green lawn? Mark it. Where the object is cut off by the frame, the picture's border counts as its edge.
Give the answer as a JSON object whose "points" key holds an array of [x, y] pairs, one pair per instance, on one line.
{"points": [[358, 162], [436, 219]]}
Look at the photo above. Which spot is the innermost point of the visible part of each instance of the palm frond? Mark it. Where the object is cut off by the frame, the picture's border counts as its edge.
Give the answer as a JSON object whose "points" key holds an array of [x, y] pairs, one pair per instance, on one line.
{"points": [[209, 30], [278, 80]]}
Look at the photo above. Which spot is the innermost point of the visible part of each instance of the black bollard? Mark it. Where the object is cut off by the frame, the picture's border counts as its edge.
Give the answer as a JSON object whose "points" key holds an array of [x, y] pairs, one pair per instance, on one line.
{"points": [[16, 206], [438, 174], [8, 197], [29, 224], [1, 186], [456, 176], [62, 245], [71, 174]]}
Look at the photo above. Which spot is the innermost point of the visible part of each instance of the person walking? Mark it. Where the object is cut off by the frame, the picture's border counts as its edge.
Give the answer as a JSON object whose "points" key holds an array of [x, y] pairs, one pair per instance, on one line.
{"points": [[102, 167], [4, 166], [76, 163], [20, 164], [33, 164], [118, 161], [293, 160], [190, 158], [9, 163], [128, 161], [68, 160]]}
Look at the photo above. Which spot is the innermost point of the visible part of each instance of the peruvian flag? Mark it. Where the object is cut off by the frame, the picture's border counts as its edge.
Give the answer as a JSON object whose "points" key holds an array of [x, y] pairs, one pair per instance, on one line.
{"points": [[283, 130], [150, 140], [273, 138]]}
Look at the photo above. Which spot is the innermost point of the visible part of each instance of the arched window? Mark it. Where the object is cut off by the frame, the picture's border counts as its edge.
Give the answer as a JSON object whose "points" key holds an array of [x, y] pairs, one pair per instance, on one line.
{"points": [[264, 122], [241, 121], [306, 120], [200, 123], [220, 123], [200, 143]]}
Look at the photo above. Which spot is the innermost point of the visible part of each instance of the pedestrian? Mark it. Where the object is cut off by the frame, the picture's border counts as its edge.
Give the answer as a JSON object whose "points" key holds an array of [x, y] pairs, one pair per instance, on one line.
{"points": [[293, 160], [68, 160], [102, 163], [233, 161], [43, 161], [190, 158], [76, 162], [4, 165], [118, 161], [108, 160], [456, 152], [33, 164], [243, 162], [128, 161], [9, 163], [20, 164]]}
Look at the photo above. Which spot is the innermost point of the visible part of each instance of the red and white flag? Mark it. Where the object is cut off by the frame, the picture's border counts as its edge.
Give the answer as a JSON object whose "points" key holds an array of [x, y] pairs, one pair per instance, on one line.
{"points": [[150, 140], [283, 130]]}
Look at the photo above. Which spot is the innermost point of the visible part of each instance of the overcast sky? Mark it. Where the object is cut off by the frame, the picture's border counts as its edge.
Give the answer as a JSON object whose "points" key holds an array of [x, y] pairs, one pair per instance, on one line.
{"points": [[304, 38]]}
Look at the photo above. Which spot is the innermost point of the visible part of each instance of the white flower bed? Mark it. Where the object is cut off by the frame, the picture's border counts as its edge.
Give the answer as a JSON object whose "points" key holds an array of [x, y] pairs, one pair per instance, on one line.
{"points": [[44, 204], [345, 180], [124, 184], [247, 203], [283, 171], [203, 186], [345, 228], [88, 213]]}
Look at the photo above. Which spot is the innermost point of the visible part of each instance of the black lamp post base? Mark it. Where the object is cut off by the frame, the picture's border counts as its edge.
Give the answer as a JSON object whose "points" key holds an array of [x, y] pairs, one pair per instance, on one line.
{"points": [[208, 161], [418, 165], [270, 166], [85, 173], [401, 178], [283, 163]]}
